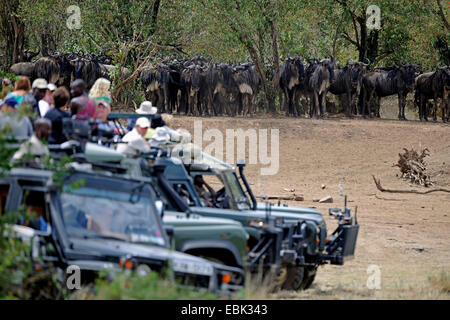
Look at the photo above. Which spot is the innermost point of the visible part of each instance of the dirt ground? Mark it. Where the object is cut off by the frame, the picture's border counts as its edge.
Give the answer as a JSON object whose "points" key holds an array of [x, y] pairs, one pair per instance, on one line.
{"points": [[404, 236]]}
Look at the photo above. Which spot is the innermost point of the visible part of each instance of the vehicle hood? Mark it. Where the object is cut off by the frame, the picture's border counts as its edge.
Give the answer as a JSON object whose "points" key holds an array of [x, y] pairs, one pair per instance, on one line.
{"points": [[181, 219], [103, 248], [292, 213]]}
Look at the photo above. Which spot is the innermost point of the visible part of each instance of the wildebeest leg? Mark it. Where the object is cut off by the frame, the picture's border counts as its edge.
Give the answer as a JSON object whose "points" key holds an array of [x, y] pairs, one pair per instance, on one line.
{"points": [[400, 106], [316, 105], [403, 108], [286, 100], [366, 104], [321, 103], [435, 98], [444, 108], [252, 105], [245, 104], [349, 104], [420, 106]]}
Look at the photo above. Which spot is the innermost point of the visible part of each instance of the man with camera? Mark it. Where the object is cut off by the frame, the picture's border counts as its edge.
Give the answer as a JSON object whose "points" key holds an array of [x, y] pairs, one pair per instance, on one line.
{"points": [[134, 143]]}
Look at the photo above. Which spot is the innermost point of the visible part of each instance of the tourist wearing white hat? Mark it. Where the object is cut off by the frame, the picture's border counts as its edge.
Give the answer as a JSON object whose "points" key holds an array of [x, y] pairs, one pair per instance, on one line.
{"points": [[144, 108], [134, 142]]}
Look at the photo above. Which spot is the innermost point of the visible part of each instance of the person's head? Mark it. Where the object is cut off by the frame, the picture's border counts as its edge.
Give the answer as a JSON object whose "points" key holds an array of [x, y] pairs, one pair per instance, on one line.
{"points": [[142, 125], [23, 83], [77, 88], [100, 89], [77, 105], [42, 128], [39, 88], [9, 104], [198, 180], [102, 109], [61, 97], [6, 82]]}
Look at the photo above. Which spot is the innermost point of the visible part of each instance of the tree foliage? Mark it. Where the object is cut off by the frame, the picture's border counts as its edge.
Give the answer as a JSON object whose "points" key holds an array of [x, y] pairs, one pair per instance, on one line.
{"points": [[263, 31]]}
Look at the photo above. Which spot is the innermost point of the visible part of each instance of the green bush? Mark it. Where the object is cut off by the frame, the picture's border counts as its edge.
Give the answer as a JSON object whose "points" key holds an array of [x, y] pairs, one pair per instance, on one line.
{"points": [[130, 286]]}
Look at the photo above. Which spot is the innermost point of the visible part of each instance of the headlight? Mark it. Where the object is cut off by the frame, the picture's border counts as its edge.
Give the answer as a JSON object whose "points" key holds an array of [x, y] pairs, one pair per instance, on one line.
{"points": [[194, 267], [143, 270]]}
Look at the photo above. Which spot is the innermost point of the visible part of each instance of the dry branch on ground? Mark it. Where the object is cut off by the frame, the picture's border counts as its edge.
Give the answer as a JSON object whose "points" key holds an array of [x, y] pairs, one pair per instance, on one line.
{"points": [[413, 167], [380, 187]]}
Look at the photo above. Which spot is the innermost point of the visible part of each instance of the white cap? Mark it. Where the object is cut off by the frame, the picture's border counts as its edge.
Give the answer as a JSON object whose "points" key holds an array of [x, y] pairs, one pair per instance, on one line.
{"points": [[143, 122], [51, 87], [146, 108], [39, 83]]}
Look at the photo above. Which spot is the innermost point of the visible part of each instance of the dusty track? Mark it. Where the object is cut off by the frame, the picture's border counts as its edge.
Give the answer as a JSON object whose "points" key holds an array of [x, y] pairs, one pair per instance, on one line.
{"points": [[405, 235]]}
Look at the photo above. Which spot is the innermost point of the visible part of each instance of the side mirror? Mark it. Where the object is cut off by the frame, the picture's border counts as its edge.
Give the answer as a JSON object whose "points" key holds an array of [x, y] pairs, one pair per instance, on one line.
{"points": [[159, 204], [240, 163]]}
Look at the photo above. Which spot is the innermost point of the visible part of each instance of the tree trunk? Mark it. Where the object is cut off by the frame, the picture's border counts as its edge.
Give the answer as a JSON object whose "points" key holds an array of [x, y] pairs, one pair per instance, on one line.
{"points": [[363, 42]]}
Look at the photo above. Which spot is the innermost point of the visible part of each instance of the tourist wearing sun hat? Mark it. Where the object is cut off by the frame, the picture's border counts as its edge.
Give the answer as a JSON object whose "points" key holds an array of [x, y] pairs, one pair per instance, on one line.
{"points": [[145, 107]]}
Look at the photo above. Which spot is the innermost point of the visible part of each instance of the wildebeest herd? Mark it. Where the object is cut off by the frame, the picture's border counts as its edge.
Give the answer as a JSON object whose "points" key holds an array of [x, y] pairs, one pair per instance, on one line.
{"points": [[197, 86]]}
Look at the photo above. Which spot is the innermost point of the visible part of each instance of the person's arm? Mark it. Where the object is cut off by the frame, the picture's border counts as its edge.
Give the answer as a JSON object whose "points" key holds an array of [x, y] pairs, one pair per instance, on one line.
{"points": [[210, 189]]}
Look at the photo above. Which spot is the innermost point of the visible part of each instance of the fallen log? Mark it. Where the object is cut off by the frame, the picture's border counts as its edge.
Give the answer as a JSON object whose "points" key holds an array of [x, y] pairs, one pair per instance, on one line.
{"points": [[379, 187], [287, 198]]}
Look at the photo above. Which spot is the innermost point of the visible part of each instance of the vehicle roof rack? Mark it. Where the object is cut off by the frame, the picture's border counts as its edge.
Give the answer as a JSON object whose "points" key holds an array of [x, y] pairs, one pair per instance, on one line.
{"points": [[129, 115]]}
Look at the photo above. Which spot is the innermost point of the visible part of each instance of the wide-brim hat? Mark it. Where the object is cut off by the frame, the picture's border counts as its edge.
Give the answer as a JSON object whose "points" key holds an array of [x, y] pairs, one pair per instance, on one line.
{"points": [[146, 108]]}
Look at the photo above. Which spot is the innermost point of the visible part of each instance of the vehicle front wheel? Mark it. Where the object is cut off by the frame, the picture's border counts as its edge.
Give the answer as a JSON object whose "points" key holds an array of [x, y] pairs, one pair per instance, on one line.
{"points": [[309, 276], [292, 278]]}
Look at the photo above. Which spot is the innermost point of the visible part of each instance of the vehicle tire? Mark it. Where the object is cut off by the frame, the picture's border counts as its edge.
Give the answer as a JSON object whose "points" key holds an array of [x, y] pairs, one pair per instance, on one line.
{"points": [[308, 279], [293, 278]]}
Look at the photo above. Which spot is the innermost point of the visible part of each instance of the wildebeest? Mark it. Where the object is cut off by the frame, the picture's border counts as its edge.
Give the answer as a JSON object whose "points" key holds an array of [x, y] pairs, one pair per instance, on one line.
{"points": [[23, 69], [153, 78], [320, 82], [379, 84], [247, 80], [194, 77], [433, 85], [292, 74], [46, 68], [348, 82]]}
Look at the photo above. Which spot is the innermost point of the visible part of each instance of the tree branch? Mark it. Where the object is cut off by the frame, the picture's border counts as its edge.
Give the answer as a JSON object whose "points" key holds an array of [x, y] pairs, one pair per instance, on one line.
{"points": [[349, 39], [441, 13], [379, 187]]}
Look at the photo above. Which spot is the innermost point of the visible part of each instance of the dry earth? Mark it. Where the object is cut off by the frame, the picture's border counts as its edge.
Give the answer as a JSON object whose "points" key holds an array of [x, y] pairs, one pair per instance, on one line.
{"points": [[405, 235]]}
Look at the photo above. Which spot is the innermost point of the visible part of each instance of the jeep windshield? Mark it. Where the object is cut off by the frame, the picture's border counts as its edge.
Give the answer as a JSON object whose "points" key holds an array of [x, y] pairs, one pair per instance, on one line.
{"points": [[240, 200], [95, 213]]}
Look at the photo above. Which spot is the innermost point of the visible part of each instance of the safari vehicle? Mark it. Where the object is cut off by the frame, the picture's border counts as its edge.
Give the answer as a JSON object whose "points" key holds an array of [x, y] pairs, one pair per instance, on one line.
{"points": [[105, 223], [305, 244], [291, 240]]}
